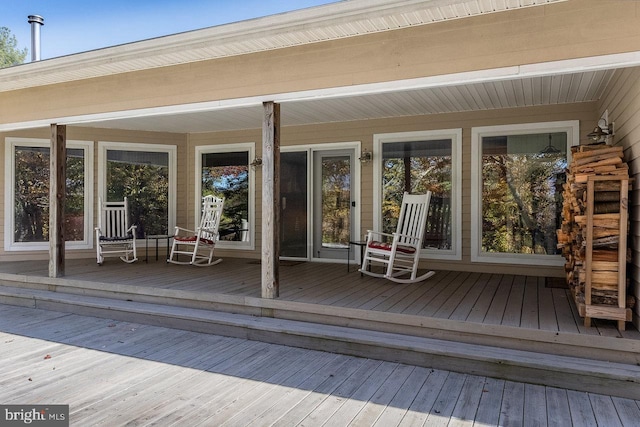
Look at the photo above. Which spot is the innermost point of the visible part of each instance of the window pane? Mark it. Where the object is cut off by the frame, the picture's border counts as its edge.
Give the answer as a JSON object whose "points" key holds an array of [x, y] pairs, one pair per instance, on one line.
{"points": [[336, 201], [227, 175], [293, 208], [31, 207], [142, 177], [522, 178], [417, 167]]}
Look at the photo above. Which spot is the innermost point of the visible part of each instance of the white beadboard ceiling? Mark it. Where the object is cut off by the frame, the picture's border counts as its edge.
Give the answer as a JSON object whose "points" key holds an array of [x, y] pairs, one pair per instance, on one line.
{"points": [[524, 92], [329, 22]]}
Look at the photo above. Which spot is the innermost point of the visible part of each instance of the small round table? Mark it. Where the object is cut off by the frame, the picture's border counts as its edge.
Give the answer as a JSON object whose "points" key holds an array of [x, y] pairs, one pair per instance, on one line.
{"points": [[156, 237]]}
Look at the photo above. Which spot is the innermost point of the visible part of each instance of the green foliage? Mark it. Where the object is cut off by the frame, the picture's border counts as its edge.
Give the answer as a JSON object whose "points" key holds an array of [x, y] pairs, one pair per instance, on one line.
{"points": [[147, 188], [429, 173], [9, 53], [336, 201], [520, 202], [31, 204], [232, 183]]}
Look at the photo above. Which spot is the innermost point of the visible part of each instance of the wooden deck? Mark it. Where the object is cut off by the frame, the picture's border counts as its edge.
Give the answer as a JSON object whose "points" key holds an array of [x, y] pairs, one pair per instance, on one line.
{"points": [[524, 302], [119, 373]]}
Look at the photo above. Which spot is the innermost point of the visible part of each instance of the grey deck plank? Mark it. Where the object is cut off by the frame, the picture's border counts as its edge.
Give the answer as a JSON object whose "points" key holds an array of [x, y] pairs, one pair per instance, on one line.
{"points": [[451, 295], [515, 303], [564, 316], [374, 408], [404, 398], [530, 310], [495, 313], [444, 405], [324, 381], [628, 410], [345, 391], [481, 305], [466, 408], [605, 411], [581, 409], [558, 412], [512, 411], [419, 410], [463, 309], [548, 321], [490, 402], [350, 409], [535, 406]]}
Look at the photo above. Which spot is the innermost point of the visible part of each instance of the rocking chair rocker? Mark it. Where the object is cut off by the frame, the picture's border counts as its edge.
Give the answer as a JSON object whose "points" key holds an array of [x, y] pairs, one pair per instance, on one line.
{"points": [[399, 253], [114, 235], [199, 244]]}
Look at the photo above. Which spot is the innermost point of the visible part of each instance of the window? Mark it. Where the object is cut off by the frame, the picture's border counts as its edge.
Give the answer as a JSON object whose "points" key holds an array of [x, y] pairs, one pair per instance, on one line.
{"points": [[224, 171], [417, 162], [145, 174], [27, 201], [518, 176]]}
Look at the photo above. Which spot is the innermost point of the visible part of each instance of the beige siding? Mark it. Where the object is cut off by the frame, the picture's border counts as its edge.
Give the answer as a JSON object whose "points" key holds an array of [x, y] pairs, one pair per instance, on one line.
{"points": [[573, 29], [622, 100]]}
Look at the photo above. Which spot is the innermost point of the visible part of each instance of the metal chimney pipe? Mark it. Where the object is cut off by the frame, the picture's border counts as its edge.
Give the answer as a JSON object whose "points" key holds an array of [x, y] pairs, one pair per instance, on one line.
{"points": [[36, 22]]}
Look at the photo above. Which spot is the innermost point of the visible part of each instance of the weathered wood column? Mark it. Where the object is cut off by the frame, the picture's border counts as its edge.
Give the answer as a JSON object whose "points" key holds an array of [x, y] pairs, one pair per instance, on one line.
{"points": [[57, 190], [271, 201]]}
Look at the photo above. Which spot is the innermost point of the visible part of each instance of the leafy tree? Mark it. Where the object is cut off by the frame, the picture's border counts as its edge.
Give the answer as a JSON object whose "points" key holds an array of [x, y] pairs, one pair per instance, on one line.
{"points": [[232, 183], [9, 53]]}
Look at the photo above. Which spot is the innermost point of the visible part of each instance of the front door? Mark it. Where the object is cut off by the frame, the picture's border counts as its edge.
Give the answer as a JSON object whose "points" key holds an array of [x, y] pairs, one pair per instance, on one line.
{"points": [[333, 203]]}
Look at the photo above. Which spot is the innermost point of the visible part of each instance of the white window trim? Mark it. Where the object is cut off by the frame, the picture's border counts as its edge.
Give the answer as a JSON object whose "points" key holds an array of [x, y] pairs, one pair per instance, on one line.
{"points": [[172, 150], [455, 253], [571, 127], [249, 147], [9, 179]]}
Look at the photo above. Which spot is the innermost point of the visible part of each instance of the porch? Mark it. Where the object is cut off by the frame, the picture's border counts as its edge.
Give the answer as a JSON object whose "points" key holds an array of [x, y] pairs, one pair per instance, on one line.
{"points": [[499, 303], [514, 327]]}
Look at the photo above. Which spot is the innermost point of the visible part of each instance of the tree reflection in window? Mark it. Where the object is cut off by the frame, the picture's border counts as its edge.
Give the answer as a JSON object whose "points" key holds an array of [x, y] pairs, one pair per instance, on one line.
{"points": [[522, 192], [31, 204], [226, 174], [142, 177], [417, 167]]}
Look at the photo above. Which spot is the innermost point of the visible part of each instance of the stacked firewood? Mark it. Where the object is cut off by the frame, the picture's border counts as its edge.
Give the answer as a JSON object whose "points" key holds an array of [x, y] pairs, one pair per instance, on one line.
{"points": [[608, 171]]}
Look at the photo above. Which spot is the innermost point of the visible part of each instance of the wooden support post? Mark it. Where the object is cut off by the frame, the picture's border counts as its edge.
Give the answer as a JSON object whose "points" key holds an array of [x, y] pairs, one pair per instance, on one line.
{"points": [[271, 200], [57, 193]]}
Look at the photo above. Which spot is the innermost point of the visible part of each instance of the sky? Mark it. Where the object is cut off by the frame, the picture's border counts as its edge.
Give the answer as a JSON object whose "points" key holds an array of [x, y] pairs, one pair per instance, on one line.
{"points": [[72, 26]]}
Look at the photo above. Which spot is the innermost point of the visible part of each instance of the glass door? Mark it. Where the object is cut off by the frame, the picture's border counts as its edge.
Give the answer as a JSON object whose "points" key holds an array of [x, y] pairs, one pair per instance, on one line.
{"points": [[333, 203]]}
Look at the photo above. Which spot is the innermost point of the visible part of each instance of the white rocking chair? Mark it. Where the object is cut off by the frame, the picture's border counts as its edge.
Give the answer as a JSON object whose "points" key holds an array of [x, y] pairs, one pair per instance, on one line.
{"points": [[114, 235], [399, 253], [199, 244]]}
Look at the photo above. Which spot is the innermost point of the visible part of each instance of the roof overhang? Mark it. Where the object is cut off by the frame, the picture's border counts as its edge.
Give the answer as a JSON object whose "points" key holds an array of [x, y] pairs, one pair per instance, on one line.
{"points": [[549, 83], [318, 24]]}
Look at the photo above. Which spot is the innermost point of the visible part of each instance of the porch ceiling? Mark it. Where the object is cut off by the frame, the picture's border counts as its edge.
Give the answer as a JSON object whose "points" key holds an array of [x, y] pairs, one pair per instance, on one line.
{"points": [[550, 89]]}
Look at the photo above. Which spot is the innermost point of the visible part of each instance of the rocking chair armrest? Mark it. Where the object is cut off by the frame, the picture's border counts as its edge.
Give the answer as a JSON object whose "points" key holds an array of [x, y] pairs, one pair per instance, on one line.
{"points": [[378, 233], [178, 229], [132, 230]]}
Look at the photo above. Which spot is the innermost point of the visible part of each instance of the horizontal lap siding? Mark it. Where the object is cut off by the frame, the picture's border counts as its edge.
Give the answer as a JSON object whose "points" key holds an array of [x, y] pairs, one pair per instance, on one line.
{"points": [[571, 29], [622, 100]]}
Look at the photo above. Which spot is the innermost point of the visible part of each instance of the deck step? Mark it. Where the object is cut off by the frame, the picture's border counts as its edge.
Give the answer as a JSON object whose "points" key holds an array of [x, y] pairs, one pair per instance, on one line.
{"points": [[617, 379]]}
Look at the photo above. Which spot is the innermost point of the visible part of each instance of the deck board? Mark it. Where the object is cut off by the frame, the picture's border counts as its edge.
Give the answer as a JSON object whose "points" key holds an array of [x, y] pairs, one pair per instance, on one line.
{"points": [[493, 299], [122, 373]]}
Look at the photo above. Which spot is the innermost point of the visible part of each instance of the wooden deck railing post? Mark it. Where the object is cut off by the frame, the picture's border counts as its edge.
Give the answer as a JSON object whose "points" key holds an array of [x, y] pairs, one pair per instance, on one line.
{"points": [[57, 193], [270, 200]]}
